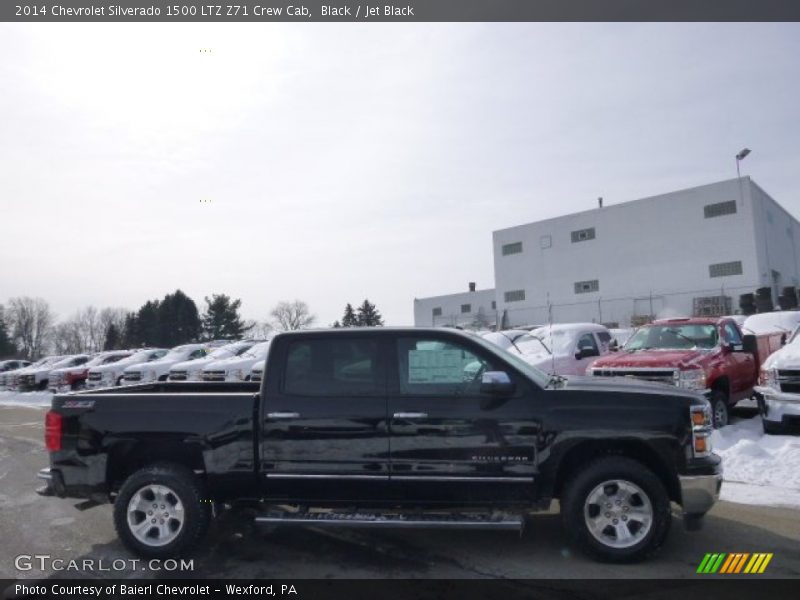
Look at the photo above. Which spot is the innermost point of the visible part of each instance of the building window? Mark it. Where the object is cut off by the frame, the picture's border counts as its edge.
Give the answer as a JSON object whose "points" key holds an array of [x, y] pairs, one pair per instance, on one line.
{"points": [[725, 269], [719, 209], [586, 287], [466, 308], [545, 242], [582, 235], [514, 296], [494, 305], [437, 312], [515, 248]]}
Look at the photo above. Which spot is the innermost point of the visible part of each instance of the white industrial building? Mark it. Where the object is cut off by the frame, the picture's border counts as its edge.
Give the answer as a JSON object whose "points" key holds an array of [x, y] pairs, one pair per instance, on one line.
{"points": [[693, 251], [472, 308]]}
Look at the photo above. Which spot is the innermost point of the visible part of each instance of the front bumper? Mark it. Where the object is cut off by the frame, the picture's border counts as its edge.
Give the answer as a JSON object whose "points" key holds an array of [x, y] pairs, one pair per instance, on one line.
{"points": [[699, 492]]}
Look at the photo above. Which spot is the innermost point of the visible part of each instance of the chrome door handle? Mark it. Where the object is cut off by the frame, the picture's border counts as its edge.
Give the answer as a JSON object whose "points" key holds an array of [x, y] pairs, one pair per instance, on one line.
{"points": [[283, 415], [410, 415]]}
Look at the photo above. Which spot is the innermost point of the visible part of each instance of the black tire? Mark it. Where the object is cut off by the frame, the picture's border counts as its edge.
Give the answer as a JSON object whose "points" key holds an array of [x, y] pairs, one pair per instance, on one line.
{"points": [[189, 492], [583, 483], [720, 412]]}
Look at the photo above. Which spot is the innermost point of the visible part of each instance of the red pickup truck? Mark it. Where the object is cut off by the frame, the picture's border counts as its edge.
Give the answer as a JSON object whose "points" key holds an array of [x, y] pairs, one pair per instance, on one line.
{"points": [[701, 353]]}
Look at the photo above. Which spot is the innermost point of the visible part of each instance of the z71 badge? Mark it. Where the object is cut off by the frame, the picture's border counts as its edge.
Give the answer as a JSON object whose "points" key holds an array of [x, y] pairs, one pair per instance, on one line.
{"points": [[78, 404]]}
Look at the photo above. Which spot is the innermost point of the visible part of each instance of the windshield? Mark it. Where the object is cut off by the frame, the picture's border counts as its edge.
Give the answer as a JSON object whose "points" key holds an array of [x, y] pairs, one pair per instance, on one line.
{"points": [[177, 352], [257, 351], [674, 337], [532, 372], [530, 344], [559, 341]]}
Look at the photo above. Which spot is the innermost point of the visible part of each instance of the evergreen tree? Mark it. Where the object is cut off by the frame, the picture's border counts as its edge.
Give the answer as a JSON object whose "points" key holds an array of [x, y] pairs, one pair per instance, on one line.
{"points": [[8, 349], [113, 338], [349, 319], [336, 325], [130, 332], [368, 315], [178, 320], [221, 319], [147, 324]]}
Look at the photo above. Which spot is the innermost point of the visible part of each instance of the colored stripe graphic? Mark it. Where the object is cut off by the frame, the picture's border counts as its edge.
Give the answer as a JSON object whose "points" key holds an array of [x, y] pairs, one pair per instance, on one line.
{"points": [[736, 562]]}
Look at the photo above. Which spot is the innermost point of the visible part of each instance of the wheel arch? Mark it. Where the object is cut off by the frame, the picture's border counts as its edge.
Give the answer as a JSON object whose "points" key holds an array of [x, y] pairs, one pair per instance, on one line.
{"points": [[586, 451], [127, 457]]}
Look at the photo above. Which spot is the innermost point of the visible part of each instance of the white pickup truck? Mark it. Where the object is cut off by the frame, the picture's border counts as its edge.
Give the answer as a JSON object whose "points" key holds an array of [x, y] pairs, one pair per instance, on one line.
{"points": [[192, 370], [8, 368], [778, 392], [158, 370], [74, 377], [237, 368], [37, 376], [110, 375]]}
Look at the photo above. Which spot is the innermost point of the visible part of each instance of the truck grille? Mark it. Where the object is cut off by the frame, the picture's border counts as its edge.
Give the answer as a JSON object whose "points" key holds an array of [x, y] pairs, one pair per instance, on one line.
{"points": [[26, 381], [659, 375], [789, 381], [95, 377], [213, 375], [133, 376], [177, 375]]}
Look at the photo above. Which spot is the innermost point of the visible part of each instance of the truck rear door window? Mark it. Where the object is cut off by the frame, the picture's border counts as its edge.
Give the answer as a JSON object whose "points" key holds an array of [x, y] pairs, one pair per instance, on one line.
{"points": [[434, 368], [344, 367]]}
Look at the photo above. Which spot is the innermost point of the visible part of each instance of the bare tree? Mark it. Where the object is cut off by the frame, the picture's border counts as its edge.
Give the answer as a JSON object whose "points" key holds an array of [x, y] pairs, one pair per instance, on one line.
{"points": [[288, 316], [262, 330], [31, 325], [67, 338]]}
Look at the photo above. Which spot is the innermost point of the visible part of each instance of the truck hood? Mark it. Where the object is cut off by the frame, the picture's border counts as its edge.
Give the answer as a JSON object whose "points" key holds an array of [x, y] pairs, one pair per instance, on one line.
{"points": [[626, 385], [70, 370], [234, 362], [787, 357], [651, 359]]}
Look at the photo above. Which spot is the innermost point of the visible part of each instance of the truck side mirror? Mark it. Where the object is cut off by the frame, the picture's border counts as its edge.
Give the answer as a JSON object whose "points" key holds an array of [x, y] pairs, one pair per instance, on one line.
{"points": [[497, 383], [750, 343]]}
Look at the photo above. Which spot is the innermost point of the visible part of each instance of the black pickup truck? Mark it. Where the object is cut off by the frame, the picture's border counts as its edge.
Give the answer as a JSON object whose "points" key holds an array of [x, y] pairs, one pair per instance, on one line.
{"points": [[389, 428]]}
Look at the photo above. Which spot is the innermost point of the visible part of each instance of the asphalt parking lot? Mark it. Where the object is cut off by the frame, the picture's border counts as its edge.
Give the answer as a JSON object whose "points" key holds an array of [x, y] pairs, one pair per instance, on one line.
{"points": [[235, 548]]}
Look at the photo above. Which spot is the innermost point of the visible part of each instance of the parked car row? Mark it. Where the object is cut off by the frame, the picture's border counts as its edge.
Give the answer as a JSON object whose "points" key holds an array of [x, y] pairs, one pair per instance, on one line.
{"points": [[223, 360], [722, 358]]}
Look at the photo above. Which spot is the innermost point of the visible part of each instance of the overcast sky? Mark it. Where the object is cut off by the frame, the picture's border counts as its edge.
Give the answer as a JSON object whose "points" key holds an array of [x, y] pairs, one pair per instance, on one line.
{"points": [[344, 161]]}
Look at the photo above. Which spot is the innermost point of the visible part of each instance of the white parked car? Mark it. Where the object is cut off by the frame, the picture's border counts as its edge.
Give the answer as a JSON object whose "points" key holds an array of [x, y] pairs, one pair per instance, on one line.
{"points": [[158, 370], [771, 322], [779, 387], [109, 375], [37, 377], [566, 349], [236, 368], [74, 377], [9, 367], [192, 370], [505, 339], [11, 379]]}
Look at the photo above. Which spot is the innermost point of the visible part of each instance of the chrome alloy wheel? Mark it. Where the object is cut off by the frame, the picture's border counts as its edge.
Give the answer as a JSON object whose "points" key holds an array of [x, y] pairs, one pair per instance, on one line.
{"points": [[155, 515], [618, 513]]}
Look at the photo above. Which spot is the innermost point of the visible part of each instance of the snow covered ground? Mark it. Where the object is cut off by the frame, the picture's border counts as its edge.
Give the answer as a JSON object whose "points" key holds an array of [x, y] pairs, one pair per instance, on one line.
{"points": [[758, 469], [34, 399]]}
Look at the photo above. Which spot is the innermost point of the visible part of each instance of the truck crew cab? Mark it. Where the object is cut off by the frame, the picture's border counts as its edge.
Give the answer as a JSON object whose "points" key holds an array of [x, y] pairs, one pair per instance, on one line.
{"points": [[384, 427]]}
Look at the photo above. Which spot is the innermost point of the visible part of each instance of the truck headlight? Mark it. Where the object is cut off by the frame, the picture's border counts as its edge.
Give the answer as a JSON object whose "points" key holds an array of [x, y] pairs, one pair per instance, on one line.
{"points": [[769, 378], [692, 379], [702, 427]]}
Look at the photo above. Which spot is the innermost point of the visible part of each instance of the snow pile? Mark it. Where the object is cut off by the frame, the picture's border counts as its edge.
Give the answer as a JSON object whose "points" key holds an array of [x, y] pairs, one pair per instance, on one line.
{"points": [[36, 399], [758, 468]]}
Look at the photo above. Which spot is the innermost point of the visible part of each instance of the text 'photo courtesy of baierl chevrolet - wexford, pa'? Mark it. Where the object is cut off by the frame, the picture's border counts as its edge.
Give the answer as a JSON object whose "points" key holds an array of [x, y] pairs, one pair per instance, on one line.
{"points": [[433, 299]]}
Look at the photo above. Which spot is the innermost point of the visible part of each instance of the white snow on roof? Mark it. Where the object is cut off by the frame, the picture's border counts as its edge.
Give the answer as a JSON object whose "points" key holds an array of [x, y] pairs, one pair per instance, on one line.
{"points": [[772, 322]]}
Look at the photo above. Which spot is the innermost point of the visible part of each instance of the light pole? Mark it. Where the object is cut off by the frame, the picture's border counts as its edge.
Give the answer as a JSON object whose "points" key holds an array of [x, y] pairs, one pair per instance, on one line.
{"points": [[739, 158]]}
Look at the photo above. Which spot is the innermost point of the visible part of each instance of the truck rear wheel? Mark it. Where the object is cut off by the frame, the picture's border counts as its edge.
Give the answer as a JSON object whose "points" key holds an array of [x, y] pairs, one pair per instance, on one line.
{"points": [[160, 511], [616, 510]]}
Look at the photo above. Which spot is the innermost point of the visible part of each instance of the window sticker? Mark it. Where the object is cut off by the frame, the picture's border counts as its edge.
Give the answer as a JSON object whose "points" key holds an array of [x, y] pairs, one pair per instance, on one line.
{"points": [[435, 366]]}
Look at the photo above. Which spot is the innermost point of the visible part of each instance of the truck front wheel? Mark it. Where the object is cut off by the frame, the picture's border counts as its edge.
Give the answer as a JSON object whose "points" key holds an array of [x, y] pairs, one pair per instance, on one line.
{"points": [[616, 509], [719, 408], [160, 511]]}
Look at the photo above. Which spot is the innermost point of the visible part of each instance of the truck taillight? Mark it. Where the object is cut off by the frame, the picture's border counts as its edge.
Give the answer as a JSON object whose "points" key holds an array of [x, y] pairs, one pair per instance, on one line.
{"points": [[53, 428]]}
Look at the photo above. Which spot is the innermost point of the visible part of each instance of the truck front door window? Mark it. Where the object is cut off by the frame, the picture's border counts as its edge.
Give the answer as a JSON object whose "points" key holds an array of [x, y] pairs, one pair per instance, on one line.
{"points": [[435, 368]]}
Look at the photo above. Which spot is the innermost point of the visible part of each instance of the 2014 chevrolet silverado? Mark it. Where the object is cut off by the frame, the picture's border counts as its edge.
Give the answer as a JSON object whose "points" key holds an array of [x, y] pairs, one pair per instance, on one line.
{"points": [[389, 428]]}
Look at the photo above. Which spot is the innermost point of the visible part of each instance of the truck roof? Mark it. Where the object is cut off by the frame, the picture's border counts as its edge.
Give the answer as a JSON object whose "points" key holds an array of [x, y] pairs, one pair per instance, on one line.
{"points": [[689, 320], [378, 331]]}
